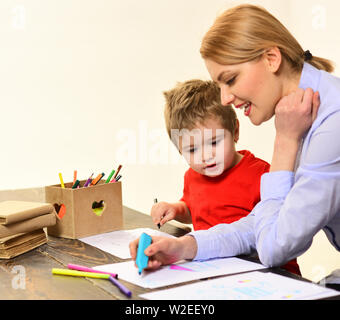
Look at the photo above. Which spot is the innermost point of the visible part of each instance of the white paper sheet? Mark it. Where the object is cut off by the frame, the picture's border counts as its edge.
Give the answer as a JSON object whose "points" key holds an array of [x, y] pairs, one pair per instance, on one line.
{"points": [[247, 286], [180, 272], [117, 242]]}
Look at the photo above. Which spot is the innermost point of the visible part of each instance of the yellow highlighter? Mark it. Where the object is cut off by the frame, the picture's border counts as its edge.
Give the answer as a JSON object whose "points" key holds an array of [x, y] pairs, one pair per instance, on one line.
{"points": [[75, 273], [61, 180]]}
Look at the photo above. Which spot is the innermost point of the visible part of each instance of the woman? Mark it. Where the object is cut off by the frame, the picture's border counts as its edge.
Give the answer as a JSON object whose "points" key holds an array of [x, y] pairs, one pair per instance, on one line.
{"points": [[260, 67]]}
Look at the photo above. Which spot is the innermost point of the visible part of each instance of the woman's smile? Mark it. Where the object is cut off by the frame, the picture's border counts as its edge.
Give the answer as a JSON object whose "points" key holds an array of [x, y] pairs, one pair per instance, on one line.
{"points": [[246, 106]]}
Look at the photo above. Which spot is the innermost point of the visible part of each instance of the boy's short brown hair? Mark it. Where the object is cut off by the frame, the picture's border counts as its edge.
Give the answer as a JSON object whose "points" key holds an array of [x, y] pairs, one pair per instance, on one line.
{"points": [[196, 101]]}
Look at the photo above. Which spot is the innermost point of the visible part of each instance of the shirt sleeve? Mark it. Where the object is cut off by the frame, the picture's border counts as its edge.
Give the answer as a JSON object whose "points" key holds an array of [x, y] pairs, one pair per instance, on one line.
{"points": [[294, 208], [226, 240]]}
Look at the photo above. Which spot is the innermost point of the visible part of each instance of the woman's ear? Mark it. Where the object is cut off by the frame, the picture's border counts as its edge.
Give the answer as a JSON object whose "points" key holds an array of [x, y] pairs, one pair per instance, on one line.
{"points": [[273, 59], [237, 131]]}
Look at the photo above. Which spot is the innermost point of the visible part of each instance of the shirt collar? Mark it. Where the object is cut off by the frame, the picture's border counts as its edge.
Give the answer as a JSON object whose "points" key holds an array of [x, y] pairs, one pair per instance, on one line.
{"points": [[310, 77]]}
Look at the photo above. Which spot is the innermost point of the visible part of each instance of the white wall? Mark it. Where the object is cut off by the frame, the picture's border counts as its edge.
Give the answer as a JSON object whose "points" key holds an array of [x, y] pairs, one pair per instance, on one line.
{"points": [[82, 82], [81, 86]]}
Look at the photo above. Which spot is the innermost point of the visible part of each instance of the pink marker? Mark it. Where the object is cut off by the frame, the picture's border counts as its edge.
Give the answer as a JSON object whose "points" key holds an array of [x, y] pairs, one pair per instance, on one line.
{"points": [[176, 267], [86, 269]]}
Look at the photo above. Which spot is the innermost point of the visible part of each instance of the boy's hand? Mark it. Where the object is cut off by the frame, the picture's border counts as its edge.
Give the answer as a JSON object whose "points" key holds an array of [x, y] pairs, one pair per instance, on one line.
{"points": [[164, 251], [163, 212]]}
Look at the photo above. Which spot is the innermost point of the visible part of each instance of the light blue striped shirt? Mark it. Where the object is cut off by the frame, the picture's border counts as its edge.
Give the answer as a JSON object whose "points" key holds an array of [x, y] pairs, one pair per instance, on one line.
{"points": [[295, 205]]}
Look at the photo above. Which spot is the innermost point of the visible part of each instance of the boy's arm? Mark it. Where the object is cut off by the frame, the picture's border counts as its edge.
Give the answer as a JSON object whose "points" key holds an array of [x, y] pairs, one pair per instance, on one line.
{"points": [[182, 212]]}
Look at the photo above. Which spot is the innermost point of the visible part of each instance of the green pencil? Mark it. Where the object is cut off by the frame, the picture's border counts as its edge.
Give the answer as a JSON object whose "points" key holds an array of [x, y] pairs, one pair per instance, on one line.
{"points": [[110, 176]]}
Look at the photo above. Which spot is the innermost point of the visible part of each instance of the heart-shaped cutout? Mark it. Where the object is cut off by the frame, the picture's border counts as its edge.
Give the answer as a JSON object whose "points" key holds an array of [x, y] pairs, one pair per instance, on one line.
{"points": [[60, 209], [98, 207]]}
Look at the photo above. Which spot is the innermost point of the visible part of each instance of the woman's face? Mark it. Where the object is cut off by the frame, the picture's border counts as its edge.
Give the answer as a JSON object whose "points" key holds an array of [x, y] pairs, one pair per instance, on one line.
{"points": [[252, 86]]}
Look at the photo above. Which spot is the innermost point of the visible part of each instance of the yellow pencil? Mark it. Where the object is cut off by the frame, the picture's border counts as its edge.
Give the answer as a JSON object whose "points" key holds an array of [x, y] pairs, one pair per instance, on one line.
{"points": [[61, 180], [68, 272]]}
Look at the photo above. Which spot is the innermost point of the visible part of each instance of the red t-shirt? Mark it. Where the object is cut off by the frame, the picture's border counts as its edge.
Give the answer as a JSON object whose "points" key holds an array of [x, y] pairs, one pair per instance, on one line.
{"points": [[228, 197]]}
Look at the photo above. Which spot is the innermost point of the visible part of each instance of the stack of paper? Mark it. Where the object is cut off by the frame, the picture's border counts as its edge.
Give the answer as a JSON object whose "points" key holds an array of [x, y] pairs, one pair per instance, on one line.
{"points": [[21, 226], [247, 286], [243, 282], [179, 272], [15, 245]]}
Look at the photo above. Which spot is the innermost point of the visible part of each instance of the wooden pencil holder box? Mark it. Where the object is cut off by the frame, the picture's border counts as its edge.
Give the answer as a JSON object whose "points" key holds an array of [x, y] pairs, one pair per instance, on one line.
{"points": [[85, 211]]}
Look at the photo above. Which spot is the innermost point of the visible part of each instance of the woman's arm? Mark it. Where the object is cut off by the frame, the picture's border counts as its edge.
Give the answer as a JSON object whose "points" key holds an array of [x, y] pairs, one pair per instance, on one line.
{"points": [[226, 240], [294, 207]]}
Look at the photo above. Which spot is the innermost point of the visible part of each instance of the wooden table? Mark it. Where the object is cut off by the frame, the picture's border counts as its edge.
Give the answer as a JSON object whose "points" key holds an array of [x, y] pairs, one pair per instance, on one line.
{"points": [[29, 276]]}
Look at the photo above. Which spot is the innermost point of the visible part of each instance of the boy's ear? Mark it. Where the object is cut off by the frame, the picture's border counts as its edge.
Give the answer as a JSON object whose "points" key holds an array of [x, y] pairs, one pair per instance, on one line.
{"points": [[237, 131]]}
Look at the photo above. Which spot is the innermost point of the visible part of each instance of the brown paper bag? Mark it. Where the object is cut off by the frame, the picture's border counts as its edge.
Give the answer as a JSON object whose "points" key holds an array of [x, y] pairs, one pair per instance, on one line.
{"points": [[14, 211]]}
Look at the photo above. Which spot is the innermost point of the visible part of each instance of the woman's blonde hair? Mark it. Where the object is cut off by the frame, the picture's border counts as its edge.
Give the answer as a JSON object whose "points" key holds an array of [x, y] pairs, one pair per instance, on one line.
{"points": [[245, 32]]}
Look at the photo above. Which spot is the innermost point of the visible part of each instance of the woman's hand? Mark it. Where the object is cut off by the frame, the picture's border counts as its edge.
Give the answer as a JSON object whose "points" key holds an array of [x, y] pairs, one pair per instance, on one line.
{"points": [[163, 251], [294, 115]]}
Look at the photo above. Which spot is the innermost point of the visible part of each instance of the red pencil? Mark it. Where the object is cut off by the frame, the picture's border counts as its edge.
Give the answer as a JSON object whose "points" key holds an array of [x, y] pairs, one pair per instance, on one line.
{"points": [[114, 177]]}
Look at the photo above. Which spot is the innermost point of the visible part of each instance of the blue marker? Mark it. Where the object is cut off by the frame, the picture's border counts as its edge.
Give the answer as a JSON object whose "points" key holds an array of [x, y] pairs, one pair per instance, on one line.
{"points": [[142, 259]]}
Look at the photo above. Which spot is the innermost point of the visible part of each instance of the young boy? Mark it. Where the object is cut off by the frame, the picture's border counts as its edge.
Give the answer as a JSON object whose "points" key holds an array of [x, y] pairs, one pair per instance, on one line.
{"points": [[222, 185]]}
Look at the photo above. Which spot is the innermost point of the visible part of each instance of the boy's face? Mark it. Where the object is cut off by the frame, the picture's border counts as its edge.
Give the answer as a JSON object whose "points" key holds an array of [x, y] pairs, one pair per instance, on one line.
{"points": [[209, 148]]}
